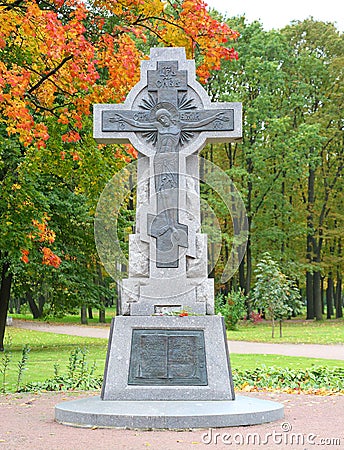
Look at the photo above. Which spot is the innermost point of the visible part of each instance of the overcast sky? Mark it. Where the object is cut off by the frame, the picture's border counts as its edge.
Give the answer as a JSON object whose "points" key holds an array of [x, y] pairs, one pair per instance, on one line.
{"points": [[277, 13]]}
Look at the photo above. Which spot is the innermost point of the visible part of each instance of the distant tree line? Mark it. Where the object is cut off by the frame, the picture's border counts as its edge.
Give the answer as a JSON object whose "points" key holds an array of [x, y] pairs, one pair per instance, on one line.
{"points": [[289, 166]]}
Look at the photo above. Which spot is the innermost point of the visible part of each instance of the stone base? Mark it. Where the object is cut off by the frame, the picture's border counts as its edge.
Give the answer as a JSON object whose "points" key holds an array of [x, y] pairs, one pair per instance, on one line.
{"points": [[94, 412], [167, 358]]}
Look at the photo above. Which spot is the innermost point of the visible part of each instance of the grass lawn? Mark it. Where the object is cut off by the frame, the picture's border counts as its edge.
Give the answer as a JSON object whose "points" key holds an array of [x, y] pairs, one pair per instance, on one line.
{"points": [[251, 361], [294, 331], [70, 319], [48, 349]]}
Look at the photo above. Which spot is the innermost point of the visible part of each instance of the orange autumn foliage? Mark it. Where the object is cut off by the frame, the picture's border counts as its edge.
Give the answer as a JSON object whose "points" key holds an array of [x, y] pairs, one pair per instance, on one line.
{"points": [[57, 61], [49, 258], [42, 234], [59, 57]]}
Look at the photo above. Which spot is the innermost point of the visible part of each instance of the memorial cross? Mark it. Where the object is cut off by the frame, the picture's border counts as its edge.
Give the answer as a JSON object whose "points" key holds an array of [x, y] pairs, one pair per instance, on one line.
{"points": [[165, 117]]}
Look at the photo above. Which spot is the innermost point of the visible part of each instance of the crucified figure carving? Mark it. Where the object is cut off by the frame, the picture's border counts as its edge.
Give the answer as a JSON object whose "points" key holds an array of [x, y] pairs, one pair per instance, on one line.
{"points": [[168, 126]]}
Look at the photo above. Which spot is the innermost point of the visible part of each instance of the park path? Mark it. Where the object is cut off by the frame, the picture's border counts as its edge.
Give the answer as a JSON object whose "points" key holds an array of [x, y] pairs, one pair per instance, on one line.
{"points": [[241, 347]]}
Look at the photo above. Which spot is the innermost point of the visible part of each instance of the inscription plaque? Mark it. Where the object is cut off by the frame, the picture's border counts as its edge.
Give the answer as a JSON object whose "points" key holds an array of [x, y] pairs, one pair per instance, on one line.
{"points": [[168, 358]]}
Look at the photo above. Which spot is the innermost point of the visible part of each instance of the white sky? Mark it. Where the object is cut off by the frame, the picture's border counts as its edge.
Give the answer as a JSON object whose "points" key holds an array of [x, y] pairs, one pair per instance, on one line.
{"points": [[278, 13]]}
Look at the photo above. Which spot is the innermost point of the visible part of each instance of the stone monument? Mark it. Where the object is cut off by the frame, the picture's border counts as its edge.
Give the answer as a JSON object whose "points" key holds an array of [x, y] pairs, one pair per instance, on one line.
{"points": [[164, 370]]}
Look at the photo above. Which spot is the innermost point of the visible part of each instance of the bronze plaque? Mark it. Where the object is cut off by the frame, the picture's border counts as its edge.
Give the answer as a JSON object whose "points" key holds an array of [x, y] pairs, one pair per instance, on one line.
{"points": [[168, 358]]}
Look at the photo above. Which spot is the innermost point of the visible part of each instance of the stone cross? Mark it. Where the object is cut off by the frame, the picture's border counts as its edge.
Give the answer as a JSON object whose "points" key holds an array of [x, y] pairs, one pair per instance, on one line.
{"points": [[168, 117], [166, 369]]}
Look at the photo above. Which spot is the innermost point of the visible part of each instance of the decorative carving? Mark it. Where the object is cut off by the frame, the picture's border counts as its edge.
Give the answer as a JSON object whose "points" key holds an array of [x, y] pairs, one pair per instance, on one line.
{"points": [[168, 120], [197, 267], [165, 126], [138, 260], [142, 193]]}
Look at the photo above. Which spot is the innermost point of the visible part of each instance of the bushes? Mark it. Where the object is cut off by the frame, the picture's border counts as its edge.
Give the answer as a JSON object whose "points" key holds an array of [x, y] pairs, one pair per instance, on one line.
{"points": [[232, 308], [79, 375], [315, 380]]}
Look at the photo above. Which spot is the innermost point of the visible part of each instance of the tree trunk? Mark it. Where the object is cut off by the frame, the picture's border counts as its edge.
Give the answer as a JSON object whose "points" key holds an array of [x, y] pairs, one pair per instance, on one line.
{"points": [[317, 295], [36, 313], [248, 267], [84, 315], [273, 327], [338, 297], [329, 297], [17, 304], [310, 241], [102, 298], [102, 316], [11, 305], [41, 302], [309, 296], [5, 291], [280, 324], [90, 313], [248, 277], [242, 278], [322, 295]]}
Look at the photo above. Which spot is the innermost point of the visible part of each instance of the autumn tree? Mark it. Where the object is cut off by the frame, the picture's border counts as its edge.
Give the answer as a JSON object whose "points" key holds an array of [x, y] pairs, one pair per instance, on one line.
{"points": [[57, 58]]}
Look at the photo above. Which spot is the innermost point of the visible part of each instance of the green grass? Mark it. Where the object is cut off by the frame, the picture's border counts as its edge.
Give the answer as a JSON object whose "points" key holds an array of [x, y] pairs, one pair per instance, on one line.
{"points": [[48, 349], [297, 331], [294, 331], [251, 361], [70, 318]]}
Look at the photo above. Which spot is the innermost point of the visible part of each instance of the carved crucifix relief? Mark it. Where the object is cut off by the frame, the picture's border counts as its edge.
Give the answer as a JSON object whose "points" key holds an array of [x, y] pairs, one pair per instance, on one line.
{"points": [[168, 119]]}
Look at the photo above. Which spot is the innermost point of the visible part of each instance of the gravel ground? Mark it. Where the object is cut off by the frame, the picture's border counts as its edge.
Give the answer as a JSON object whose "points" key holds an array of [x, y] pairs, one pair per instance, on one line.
{"points": [[27, 422]]}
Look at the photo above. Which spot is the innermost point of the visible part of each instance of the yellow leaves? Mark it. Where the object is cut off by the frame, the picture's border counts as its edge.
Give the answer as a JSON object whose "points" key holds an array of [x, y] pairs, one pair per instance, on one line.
{"points": [[151, 8], [43, 232], [128, 9], [63, 119], [248, 388], [177, 37], [8, 24]]}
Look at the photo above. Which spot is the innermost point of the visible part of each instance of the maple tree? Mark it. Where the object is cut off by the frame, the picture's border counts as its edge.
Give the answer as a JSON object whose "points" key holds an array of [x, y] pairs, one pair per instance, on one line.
{"points": [[58, 58], [52, 64]]}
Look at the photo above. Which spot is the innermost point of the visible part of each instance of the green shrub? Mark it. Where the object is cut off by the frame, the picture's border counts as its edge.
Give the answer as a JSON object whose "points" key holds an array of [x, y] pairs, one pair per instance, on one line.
{"points": [[313, 379], [80, 375], [232, 308]]}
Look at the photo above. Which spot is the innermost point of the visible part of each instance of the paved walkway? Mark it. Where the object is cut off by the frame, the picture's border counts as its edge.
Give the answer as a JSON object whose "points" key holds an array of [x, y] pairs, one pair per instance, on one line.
{"points": [[312, 422], [241, 347]]}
